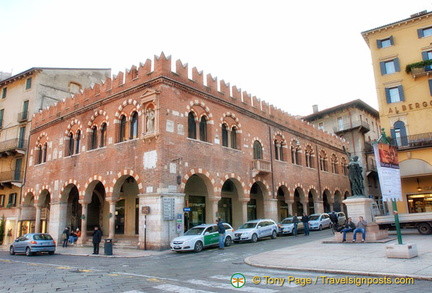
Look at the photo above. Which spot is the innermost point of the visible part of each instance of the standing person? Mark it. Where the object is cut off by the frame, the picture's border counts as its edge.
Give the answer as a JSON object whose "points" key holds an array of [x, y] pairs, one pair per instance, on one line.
{"points": [[348, 227], [305, 220], [295, 222], [97, 238], [221, 230], [361, 227], [65, 236], [334, 220]]}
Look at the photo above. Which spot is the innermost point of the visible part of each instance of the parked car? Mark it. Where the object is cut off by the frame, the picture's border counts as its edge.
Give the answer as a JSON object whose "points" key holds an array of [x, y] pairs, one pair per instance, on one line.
{"points": [[286, 226], [341, 218], [256, 229], [319, 221], [201, 236], [33, 243]]}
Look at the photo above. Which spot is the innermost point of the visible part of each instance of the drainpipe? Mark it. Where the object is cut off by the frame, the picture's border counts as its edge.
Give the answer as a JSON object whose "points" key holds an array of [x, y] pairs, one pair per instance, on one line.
{"points": [[319, 176], [271, 163]]}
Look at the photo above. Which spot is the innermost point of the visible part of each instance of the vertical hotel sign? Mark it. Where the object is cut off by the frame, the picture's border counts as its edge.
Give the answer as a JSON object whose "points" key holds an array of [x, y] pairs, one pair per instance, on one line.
{"points": [[388, 171]]}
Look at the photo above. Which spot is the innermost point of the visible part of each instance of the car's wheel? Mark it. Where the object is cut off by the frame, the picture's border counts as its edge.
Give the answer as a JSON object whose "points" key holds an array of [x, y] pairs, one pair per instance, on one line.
{"points": [[28, 251], [424, 228], [50, 252], [274, 235], [198, 246], [254, 238], [228, 241], [320, 227], [11, 250]]}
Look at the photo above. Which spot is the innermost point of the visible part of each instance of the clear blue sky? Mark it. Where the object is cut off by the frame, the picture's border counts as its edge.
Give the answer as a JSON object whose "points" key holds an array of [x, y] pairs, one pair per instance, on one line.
{"points": [[292, 54]]}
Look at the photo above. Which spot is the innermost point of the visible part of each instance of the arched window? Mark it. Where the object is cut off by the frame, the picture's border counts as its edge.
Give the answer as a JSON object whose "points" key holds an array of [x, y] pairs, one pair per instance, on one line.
{"points": [[39, 154], [279, 146], [323, 161], [224, 135], [295, 150], [93, 138], [78, 140], [103, 132], [122, 132], [334, 163], [257, 150], [191, 126], [203, 129], [399, 133], [70, 149], [134, 126], [344, 166], [233, 137], [309, 156], [44, 152]]}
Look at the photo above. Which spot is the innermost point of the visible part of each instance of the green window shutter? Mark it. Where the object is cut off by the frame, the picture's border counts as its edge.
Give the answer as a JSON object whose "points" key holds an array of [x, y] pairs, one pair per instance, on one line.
{"points": [[387, 94], [391, 40], [383, 69], [430, 86]]}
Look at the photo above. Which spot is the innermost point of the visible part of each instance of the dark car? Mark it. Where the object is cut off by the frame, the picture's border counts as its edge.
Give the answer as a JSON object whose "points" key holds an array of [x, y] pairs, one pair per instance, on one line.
{"points": [[33, 243]]}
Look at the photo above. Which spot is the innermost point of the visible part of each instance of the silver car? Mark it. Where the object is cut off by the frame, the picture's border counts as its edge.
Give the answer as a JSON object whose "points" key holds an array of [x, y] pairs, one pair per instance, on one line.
{"points": [[33, 243], [255, 229], [286, 226]]}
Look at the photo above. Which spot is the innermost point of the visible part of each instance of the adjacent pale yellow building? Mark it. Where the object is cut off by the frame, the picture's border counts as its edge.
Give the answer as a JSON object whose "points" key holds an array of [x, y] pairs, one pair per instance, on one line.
{"points": [[21, 96], [402, 57]]}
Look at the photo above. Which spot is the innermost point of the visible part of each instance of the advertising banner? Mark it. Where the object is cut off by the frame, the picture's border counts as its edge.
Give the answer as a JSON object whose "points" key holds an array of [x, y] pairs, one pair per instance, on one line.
{"points": [[388, 171]]}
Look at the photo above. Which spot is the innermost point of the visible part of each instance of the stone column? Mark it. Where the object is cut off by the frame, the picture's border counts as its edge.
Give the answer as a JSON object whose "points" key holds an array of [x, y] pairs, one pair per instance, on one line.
{"points": [[305, 207], [319, 206], [270, 209], [244, 202], [84, 210], [38, 218], [213, 211], [290, 203], [112, 216]]}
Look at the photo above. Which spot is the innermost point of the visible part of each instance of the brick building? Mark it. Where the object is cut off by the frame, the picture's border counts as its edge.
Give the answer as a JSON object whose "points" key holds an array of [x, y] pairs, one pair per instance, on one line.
{"points": [[161, 139]]}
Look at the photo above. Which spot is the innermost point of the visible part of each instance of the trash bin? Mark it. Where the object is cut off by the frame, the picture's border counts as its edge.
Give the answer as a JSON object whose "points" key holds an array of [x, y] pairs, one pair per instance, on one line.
{"points": [[108, 246]]}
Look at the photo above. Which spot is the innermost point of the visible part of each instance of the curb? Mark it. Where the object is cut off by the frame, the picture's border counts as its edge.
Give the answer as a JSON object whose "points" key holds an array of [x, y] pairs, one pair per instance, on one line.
{"points": [[332, 271]]}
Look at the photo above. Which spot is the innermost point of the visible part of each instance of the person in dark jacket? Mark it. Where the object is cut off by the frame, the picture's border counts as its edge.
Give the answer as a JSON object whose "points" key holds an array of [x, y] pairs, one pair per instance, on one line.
{"points": [[305, 220], [97, 238], [348, 227], [295, 222], [65, 236], [221, 230]]}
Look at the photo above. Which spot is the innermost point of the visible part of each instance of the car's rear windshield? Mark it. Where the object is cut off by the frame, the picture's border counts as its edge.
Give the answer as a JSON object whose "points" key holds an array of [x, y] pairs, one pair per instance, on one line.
{"points": [[194, 231], [287, 221], [42, 237], [248, 226], [314, 217]]}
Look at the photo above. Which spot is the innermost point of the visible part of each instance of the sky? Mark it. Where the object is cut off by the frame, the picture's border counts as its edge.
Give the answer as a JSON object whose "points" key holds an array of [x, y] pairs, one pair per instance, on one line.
{"points": [[291, 54]]}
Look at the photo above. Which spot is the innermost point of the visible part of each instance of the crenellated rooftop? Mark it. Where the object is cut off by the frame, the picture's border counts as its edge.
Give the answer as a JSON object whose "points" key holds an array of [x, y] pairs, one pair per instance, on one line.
{"points": [[162, 67]]}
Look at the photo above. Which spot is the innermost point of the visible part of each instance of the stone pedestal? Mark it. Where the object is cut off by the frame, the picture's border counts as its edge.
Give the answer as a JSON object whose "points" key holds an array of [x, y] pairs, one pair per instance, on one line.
{"points": [[408, 250], [362, 206]]}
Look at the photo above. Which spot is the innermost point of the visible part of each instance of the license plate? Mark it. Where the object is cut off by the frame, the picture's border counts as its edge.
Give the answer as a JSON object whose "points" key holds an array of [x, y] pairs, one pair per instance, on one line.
{"points": [[177, 247]]}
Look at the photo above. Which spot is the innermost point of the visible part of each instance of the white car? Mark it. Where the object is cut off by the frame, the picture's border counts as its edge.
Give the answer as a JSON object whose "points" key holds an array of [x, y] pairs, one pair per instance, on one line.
{"points": [[286, 226], [255, 229], [319, 221], [201, 236]]}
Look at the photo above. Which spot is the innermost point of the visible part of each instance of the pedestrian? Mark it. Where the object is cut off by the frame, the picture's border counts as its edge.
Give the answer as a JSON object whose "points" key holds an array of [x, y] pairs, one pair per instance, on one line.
{"points": [[361, 227], [221, 230], [348, 227], [305, 221], [65, 236], [97, 238], [295, 222]]}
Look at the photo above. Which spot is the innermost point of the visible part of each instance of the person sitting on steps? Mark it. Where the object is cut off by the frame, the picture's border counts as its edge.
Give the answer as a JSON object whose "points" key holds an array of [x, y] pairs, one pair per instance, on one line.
{"points": [[348, 227]]}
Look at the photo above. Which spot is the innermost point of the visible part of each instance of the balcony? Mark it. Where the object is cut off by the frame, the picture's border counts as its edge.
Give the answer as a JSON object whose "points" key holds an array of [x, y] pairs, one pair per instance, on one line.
{"points": [[414, 141], [361, 125], [9, 178], [22, 117], [260, 167], [419, 69], [13, 146]]}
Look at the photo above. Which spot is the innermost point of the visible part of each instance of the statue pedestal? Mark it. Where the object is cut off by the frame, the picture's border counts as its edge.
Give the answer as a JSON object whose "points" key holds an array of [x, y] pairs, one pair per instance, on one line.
{"points": [[362, 206]]}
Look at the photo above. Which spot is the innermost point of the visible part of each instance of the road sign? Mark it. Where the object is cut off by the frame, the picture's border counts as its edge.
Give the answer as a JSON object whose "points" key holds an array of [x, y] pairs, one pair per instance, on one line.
{"points": [[168, 207], [186, 209]]}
